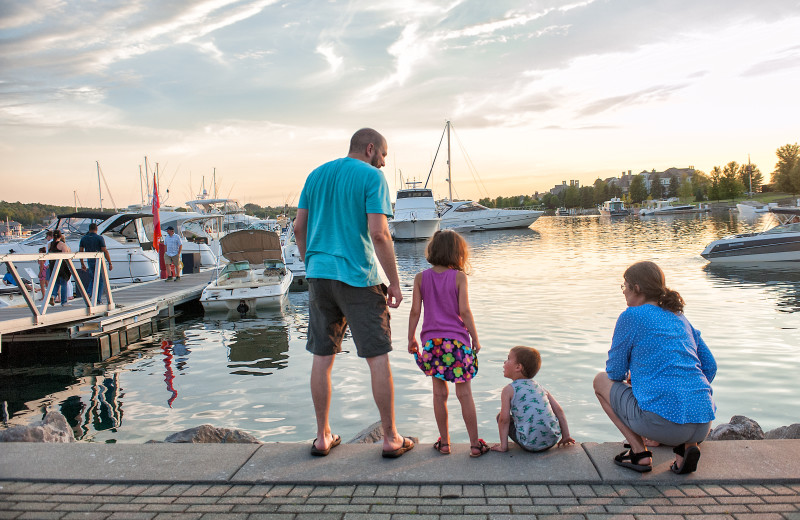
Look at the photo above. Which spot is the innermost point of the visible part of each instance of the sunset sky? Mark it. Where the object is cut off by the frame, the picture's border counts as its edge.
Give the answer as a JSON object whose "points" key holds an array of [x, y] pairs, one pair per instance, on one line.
{"points": [[264, 91]]}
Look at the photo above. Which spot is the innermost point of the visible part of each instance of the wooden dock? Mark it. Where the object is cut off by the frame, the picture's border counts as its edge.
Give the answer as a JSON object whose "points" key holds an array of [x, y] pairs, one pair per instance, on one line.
{"points": [[106, 329]]}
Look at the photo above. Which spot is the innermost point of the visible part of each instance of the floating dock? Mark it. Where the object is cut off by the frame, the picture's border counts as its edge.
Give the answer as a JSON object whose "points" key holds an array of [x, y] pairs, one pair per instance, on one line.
{"points": [[101, 329]]}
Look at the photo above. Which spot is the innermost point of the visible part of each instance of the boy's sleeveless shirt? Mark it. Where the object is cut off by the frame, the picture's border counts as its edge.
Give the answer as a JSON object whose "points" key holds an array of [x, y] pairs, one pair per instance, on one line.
{"points": [[536, 424], [439, 293]]}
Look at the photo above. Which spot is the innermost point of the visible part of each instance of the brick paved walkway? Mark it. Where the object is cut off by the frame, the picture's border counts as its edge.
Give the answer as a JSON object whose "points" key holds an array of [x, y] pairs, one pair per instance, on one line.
{"points": [[25, 500]]}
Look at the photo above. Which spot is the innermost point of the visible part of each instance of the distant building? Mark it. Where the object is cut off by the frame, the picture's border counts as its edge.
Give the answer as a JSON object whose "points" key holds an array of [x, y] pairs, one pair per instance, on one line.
{"points": [[10, 229], [559, 188], [665, 177]]}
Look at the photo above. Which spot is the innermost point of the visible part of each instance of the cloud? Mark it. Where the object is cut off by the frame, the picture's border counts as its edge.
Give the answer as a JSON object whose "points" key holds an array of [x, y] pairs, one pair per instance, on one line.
{"points": [[655, 94], [329, 53], [787, 59]]}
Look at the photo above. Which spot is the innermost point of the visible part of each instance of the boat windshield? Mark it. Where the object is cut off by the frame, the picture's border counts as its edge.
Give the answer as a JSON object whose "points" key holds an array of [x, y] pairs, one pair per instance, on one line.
{"points": [[236, 267], [793, 227], [471, 206], [404, 194]]}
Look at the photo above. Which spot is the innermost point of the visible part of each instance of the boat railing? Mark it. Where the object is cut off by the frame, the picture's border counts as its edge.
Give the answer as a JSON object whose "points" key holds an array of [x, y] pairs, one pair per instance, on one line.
{"points": [[92, 305], [534, 207]]}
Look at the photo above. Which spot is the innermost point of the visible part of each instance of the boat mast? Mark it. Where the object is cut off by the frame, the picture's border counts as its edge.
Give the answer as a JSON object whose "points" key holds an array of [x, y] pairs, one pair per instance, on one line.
{"points": [[750, 172], [99, 186], [449, 181]]}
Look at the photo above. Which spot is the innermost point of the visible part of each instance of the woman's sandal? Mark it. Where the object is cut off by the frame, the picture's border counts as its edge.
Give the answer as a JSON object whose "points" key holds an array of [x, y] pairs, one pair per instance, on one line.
{"points": [[441, 447], [690, 459], [482, 448], [629, 459]]}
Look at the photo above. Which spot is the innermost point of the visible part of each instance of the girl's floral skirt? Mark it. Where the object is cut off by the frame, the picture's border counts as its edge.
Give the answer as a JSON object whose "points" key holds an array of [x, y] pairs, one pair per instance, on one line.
{"points": [[447, 359]]}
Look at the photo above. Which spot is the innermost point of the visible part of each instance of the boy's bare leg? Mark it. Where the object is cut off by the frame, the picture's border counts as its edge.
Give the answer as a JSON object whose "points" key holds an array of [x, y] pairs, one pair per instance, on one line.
{"points": [[321, 396]]}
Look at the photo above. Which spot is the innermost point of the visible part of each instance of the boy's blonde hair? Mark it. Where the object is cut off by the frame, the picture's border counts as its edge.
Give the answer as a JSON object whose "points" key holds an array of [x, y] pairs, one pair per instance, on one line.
{"points": [[529, 358]]}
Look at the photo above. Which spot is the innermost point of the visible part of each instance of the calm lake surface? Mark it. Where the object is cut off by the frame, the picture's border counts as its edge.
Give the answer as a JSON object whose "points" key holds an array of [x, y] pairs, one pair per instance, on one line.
{"points": [[554, 286]]}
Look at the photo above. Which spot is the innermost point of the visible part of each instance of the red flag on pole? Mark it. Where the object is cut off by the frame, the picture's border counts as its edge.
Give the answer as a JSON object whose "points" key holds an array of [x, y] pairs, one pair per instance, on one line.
{"points": [[156, 217]]}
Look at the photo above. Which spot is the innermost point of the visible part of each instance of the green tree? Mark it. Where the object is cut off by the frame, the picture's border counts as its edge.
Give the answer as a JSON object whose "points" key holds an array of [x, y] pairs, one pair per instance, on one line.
{"points": [[714, 185], [701, 184], [751, 177], [787, 170], [601, 192], [730, 186], [572, 197], [686, 190], [587, 196], [637, 190], [656, 188], [674, 185]]}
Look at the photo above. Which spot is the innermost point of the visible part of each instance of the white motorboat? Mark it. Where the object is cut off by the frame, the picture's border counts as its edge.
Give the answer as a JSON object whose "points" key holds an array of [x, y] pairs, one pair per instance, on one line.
{"points": [[466, 214], [128, 238], [665, 207], [751, 208], [778, 244], [291, 255], [415, 216], [255, 276], [233, 215], [614, 208]]}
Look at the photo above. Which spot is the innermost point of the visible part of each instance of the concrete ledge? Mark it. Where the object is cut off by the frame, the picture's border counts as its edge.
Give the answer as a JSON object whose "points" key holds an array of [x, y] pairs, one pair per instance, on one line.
{"points": [[88, 462], [364, 464], [720, 461], [776, 461]]}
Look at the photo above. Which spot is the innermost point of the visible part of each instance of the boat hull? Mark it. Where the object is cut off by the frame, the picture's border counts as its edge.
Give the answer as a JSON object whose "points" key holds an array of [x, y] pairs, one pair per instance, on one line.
{"points": [[495, 219], [243, 299], [756, 248], [420, 229]]}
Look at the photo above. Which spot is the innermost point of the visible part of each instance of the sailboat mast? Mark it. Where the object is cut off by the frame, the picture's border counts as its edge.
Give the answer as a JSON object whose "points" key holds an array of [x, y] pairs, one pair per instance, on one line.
{"points": [[99, 186], [449, 180]]}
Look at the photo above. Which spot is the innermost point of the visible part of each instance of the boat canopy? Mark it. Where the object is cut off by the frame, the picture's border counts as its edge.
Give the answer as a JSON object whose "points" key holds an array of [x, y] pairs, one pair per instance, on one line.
{"points": [[404, 194], [251, 245]]}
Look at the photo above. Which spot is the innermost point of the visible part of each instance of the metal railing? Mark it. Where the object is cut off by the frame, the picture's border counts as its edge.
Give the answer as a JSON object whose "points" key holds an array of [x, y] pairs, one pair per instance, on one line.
{"points": [[12, 260]]}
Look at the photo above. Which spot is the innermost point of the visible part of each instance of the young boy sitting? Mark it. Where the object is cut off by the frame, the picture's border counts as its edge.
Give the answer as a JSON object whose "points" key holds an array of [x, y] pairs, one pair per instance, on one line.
{"points": [[529, 415]]}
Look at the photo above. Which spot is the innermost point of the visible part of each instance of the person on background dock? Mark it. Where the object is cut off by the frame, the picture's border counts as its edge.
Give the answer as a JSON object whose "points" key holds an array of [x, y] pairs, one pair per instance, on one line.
{"points": [[58, 245], [447, 354], [668, 398], [93, 243], [172, 254], [341, 226], [529, 414]]}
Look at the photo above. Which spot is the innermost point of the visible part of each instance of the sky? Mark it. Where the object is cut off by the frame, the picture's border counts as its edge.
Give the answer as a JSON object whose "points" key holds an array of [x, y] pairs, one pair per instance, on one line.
{"points": [[255, 94]]}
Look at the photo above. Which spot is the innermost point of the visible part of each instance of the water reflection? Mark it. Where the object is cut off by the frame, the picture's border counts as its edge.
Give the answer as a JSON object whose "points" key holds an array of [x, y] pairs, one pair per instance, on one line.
{"points": [[257, 346], [779, 279], [101, 411]]}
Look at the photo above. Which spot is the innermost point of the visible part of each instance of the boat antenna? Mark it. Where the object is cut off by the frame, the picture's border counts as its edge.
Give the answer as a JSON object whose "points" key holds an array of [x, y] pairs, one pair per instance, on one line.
{"points": [[437, 155], [141, 189]]}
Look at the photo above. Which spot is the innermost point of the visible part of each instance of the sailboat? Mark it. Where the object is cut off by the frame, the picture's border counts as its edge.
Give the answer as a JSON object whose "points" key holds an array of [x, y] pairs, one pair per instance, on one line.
{"points": [[464, 215]]}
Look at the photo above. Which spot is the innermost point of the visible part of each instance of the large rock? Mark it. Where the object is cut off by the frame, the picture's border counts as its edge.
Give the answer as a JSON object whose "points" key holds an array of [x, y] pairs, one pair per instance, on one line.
{"points": [[53, 428], [740, 428], [784, 432], [211, 434], [369, 435]]}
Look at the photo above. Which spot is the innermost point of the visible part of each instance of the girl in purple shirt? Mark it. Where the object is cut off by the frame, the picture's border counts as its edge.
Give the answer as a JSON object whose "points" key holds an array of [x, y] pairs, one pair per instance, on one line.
{"points": [[447, 354]]}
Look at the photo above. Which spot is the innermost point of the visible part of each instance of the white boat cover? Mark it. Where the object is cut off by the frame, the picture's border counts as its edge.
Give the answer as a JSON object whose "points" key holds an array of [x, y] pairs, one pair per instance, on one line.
{"points": [[251, 245]]}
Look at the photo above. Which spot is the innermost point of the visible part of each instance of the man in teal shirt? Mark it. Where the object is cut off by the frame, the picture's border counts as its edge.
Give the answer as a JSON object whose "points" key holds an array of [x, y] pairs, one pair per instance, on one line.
{"points": [[341, 226]]}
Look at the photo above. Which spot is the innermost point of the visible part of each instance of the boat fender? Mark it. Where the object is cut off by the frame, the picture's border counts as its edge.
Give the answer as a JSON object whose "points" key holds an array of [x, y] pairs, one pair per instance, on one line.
{"points": [[242, 308]]}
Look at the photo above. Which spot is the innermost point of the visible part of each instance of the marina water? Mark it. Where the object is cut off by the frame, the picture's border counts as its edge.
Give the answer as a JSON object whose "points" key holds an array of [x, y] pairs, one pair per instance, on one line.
{"points": [[554, 286]]}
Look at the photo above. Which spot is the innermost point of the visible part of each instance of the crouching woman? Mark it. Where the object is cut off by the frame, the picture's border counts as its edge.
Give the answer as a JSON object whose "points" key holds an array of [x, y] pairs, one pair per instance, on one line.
{"points": [[668, 397]]}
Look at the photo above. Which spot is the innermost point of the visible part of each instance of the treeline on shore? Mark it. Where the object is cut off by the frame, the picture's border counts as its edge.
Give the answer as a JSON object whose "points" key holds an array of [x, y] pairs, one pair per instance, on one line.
{"points": [[727, 182]]}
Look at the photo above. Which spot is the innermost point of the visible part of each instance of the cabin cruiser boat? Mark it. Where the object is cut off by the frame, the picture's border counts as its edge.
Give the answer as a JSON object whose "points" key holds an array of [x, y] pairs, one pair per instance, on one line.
{"points": [[291, 255], [255, 275], [415, 216], [614, 208], [128, 238], [233, 215], [562, 212], [665, 207], [470, 214], [778, 244]]}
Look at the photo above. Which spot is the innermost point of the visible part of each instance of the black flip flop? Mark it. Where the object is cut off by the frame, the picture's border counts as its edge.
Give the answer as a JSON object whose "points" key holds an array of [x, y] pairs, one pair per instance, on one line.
{"points": [[323, 453], [393, 454]]}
